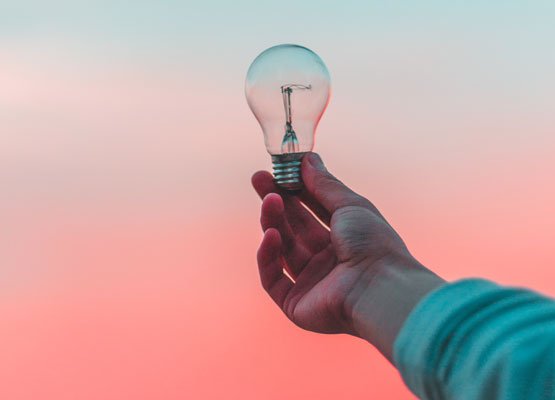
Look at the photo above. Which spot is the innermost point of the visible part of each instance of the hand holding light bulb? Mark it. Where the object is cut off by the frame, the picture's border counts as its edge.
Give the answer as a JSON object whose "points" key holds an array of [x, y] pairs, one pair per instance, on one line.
{"points": [[287, 89], [346, 272], [354, 275]]}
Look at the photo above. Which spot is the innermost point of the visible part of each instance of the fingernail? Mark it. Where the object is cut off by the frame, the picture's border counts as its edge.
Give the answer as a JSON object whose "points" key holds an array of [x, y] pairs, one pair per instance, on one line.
{"points": [[316, 162]]}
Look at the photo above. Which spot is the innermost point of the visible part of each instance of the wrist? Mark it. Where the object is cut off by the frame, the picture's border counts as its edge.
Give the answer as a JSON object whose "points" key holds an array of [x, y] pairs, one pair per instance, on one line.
{"points": [[383, 297]]}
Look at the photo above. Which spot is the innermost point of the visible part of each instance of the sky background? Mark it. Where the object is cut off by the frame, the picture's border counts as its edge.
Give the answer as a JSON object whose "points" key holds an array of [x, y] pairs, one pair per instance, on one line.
{"points": [[128, 228]]}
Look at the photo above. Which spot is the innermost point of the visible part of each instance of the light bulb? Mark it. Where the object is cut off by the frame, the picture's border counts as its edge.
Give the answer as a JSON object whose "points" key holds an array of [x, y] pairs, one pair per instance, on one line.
{"points": [[288, 88]]}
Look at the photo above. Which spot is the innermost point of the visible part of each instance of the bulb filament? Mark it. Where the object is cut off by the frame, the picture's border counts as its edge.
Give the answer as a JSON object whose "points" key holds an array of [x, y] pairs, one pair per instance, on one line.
{"points": [[290, 143]]}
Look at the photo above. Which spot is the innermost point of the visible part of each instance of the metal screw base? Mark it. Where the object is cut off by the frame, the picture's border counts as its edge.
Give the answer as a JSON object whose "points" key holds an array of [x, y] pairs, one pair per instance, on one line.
{"points": [[287, 170]]}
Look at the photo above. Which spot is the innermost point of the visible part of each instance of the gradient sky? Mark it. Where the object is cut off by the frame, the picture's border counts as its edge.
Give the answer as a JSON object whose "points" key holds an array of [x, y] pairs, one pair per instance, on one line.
{"points": [[128, 226]]}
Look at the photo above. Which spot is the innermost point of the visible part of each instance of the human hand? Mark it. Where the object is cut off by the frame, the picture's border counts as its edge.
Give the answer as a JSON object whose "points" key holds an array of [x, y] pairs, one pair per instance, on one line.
{"points": [[334, 268]]}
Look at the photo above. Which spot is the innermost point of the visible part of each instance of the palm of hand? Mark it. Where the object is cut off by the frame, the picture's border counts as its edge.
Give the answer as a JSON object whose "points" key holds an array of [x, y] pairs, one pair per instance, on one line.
{"points": [[325, 264]]}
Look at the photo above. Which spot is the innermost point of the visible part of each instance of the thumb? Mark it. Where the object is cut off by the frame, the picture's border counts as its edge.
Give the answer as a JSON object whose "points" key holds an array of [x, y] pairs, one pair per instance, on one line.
{"points": [[325, 188]]}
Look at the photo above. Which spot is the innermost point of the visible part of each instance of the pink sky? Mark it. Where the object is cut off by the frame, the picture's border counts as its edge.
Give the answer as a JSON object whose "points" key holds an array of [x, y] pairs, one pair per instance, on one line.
{"points": [[129, 228]]}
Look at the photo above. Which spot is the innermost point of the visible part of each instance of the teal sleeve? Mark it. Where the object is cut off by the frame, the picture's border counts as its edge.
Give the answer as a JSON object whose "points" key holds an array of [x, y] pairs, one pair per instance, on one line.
{"points": [[473, 339]]}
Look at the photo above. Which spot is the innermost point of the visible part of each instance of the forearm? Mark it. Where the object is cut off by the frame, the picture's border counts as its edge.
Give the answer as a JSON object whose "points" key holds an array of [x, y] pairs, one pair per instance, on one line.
{"points": [[385, 296]]}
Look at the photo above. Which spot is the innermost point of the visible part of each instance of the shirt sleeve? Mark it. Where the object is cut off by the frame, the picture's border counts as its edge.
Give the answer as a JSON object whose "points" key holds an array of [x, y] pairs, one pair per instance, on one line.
{"points": [[473, 339]]}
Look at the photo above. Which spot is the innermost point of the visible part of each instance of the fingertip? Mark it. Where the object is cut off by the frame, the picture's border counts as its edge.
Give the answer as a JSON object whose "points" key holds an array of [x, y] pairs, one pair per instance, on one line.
{"points": [[254, 177], [272, 211], [309, 156], [309, 174], [305, 162], [312, 169], [325, 190], [273, 203], [259, 177], [314, 160], [273, 236], [270, 247], [263, 183]]}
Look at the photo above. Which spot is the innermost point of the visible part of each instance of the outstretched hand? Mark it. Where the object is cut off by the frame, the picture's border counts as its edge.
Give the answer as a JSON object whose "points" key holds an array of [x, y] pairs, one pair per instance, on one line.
{"points": [[332, 263]]}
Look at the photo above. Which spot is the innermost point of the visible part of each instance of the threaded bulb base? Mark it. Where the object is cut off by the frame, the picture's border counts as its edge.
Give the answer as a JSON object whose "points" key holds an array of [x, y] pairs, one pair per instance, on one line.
{"points": [[287, 170]]}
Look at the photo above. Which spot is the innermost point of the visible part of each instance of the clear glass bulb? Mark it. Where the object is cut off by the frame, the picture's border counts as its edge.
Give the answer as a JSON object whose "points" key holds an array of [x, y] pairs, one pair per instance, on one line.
{"points": [[288, 89]]}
